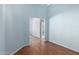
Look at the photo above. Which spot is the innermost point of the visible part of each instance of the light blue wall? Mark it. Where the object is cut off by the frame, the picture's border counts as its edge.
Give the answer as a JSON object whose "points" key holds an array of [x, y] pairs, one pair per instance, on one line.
{"points": [[17, 24], [2, 31], [64, 25], [47, 24], [14, 26], [41, 11], [38, 10]]}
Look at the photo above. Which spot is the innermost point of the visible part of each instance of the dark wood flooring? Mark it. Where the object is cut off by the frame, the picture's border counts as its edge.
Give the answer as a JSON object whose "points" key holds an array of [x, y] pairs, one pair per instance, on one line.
{"points": [[39, 47]]}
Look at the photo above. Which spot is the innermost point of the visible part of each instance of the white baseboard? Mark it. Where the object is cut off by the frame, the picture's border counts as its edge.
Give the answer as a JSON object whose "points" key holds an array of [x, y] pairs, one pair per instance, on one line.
{"points": [[65, 46], [17, 49]]}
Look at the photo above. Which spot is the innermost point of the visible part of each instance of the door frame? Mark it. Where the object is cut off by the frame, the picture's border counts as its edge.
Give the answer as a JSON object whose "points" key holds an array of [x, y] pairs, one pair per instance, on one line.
{"points": [[40, 27]]}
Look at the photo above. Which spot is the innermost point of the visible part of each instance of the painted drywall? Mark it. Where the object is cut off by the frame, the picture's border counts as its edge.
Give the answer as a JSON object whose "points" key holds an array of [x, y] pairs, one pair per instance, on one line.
{"points": [[17, 24], [40, 11], [2, 30], [64, 25], [16, 33], [47, 24]]}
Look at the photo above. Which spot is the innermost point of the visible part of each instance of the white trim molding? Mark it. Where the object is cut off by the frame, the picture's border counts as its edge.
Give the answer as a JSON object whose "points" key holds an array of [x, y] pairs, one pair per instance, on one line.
{"points": [[18, 49]]}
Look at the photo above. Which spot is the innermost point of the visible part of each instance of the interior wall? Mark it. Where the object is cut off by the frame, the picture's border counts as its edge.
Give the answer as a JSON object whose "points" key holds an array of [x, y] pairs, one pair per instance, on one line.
{"points": [[16, 25], [2, 30], [47, 24], [64, 25], [40, 11]]}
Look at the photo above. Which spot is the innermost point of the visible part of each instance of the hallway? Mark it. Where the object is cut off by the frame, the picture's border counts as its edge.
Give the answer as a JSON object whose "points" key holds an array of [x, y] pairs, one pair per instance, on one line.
{"points": [[58, 24], [38, 47]]}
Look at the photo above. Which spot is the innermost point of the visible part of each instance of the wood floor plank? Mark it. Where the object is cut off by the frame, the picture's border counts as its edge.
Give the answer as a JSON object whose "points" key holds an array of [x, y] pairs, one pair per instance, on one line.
{"points": [[39, 47]]}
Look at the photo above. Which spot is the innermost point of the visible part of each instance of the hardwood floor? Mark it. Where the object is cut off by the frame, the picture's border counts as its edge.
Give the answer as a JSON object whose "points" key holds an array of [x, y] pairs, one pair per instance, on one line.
{"points": [[38, 47]]}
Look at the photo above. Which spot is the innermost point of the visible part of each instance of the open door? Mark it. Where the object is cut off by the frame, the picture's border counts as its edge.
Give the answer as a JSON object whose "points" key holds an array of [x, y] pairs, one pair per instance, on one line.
{"points": [[35, 27], [43, 29], [37, 30]]}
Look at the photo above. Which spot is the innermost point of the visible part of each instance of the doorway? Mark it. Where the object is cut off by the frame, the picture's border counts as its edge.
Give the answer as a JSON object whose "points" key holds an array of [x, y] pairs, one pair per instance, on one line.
{"points": [[37, 30]]}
